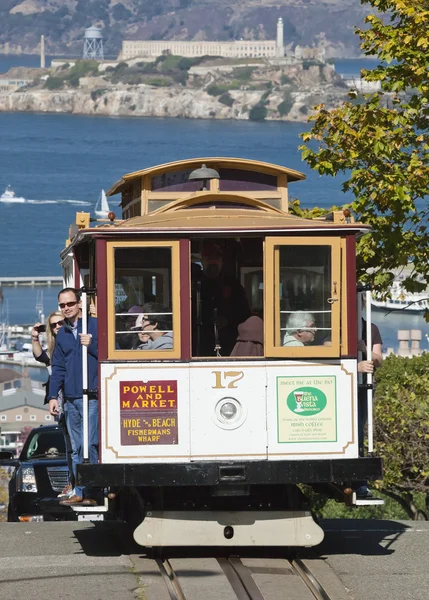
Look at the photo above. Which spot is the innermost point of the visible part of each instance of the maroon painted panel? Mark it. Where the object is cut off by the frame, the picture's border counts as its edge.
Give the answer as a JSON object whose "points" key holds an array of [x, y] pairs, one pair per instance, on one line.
{"points": [[101, 278], [185, 299], [351, 295]]}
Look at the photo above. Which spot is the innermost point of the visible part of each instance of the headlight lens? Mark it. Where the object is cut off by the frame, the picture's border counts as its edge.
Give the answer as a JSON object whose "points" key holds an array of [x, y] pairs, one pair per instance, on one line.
{"points": [[229, 413], [228, 410], [26, 480]]}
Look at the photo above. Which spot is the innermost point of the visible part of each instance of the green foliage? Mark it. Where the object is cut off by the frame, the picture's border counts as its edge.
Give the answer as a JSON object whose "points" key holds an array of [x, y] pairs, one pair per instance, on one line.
{"points": [[286, 105], [170, 62], [380, 142], [4, 493], [313, 213], [264, 98], [307, 63], [401, 414], [303, 109], [258, 112], [214, 90], [325, 508], [54, 83], [221, 88], [243, 73], [82, 68], [180, 77], [158, 81], [95, 94], [226, 99], [286, 80]]}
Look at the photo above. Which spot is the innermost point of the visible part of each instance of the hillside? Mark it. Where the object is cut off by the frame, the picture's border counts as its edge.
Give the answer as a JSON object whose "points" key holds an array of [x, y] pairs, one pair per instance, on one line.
{"points": [[306, 22], [174, 86]]}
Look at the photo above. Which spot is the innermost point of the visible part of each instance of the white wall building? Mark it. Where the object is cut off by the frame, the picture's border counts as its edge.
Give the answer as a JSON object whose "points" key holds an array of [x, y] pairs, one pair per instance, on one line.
{"points": [[234, 49]]}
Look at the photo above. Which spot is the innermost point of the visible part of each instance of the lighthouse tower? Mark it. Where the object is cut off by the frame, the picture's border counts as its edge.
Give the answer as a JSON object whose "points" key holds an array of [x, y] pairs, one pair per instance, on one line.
{"points": [[280, 50]]}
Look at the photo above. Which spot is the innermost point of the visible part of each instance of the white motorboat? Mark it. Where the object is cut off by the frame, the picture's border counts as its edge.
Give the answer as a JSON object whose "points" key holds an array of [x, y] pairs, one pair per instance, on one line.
{"points": [[9, 196], [400, 299], [102, 207]]}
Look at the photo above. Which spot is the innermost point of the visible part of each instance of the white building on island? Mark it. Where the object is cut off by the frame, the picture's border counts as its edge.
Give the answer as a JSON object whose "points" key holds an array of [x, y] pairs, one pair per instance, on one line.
{"points": [[234, 49]]}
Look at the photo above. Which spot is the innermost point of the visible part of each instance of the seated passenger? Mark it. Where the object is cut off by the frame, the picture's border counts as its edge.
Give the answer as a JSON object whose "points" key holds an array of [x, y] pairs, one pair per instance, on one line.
{"points": [[250, 340], [300, 329], [155, 327]]}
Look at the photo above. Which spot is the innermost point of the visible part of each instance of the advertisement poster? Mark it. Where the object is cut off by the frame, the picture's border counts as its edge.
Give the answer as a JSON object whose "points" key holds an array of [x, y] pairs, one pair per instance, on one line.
{"points": [[148, 413], [306, 409]]}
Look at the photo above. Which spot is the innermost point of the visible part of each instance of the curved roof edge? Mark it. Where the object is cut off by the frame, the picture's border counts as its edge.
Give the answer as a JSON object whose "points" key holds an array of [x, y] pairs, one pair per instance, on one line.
{"points": [[274, 169]]}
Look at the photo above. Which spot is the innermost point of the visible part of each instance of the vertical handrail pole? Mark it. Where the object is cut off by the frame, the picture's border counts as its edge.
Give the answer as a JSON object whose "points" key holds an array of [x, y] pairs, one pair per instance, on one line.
{"points": [[85, 381], [370, 376], [359, 332]]}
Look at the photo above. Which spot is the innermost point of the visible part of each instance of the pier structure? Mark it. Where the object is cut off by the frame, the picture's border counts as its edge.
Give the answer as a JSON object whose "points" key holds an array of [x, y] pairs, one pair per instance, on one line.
{"points": [[39, 280]]}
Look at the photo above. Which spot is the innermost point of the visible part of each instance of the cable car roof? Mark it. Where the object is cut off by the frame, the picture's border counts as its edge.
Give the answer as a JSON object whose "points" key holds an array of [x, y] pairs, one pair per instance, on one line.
{"points": [[220, 162]]}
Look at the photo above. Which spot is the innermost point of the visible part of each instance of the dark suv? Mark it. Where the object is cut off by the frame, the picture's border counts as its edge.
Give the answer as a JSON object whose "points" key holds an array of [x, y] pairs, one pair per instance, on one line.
{"points": [[40, 475]]}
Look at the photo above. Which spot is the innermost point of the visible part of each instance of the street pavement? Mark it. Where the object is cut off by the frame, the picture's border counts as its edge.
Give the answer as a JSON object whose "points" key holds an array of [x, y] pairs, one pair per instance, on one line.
{"points": [[65, 560], [375, 560], [379, 560]]}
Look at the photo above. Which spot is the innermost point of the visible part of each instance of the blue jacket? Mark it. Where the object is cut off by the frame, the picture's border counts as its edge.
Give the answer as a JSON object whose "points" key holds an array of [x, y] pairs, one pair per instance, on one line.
{"points": [[67, 361]]}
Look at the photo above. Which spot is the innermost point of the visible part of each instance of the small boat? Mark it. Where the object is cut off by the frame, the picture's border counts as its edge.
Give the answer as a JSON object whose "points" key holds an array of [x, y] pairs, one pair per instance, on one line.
{"points": [[400, 299], [102, 207], [9, 196]]}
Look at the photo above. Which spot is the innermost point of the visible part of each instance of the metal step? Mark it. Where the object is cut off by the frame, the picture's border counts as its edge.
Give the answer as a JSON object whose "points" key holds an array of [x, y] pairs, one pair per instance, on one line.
{"points": [[98, 508], [369, 502], [366, 501]]}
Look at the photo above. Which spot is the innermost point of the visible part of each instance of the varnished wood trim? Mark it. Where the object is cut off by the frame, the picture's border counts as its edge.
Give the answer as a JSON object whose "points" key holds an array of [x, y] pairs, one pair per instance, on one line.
{"points": [[271, 291], [145, 195], [344, 341], [283, 189], [113, 353], [274, 194]]}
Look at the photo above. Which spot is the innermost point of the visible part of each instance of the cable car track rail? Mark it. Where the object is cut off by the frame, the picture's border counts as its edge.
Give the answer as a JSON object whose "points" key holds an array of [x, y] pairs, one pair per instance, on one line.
{"points": [[303, 585]]}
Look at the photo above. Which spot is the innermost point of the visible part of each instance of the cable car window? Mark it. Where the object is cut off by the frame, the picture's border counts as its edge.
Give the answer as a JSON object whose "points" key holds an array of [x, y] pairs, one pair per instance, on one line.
{"points": [[234, 180], [305, 282], [145, 301], [175, 181], [304, 287]]}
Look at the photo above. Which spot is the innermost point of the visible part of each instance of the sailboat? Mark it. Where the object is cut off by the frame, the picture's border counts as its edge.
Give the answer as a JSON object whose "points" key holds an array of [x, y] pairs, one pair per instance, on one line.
{"points": [[102, 207]]}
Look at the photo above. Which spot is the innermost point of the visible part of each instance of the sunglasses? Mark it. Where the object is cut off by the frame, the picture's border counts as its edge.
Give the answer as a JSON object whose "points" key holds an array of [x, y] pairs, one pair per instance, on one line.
{"points": [[56, 324], [68, 304]]}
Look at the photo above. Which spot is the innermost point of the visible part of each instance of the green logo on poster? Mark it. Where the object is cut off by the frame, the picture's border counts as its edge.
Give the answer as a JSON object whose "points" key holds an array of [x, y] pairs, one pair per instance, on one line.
{"points": [[306, 401]]}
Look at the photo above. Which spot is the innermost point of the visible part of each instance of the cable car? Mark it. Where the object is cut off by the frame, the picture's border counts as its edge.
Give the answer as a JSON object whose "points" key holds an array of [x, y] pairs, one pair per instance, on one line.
{"points": [[228, 333]]}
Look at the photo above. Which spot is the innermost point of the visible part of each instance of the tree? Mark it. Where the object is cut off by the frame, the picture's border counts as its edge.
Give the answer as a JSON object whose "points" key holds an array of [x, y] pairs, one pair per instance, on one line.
{"points": [[258, 112], [380, 141], [401, 426]]}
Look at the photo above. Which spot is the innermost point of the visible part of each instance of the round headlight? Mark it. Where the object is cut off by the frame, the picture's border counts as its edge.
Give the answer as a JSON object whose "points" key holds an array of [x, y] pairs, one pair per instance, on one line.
{"points": [[228, 410], [229, 413]]}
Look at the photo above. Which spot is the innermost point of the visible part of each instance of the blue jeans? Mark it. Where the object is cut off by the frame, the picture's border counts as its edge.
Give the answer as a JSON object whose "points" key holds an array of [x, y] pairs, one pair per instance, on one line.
{"points": [[75, 427], [71, 452]]}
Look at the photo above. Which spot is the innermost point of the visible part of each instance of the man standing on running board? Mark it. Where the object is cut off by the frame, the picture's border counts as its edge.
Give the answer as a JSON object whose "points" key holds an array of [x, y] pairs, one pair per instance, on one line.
{"points": [[67, 371]]}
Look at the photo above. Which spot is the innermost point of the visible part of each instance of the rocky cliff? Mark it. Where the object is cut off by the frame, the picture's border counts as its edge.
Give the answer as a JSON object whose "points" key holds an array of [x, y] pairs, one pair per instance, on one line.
{"points": [[147, 101], [207, 91]]}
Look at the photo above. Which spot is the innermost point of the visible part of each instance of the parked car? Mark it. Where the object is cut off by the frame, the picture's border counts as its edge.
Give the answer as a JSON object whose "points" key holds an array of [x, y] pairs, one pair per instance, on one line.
{"points": [[40, 475]]}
